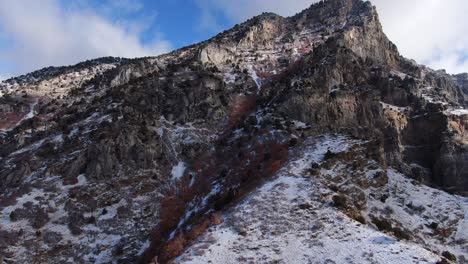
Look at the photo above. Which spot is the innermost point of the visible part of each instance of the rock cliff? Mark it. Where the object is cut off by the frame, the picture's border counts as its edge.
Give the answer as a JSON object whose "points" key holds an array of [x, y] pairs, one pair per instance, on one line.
{"points": [[126, 160]]}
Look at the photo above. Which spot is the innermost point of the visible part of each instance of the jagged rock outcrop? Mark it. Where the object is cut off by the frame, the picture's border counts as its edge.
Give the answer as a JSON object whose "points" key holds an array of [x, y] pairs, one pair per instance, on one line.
{"points": [[462, 81], [122, 160]]}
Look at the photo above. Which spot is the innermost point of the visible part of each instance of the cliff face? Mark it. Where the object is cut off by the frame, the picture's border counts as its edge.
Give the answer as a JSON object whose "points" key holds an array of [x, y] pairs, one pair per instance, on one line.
{"points": [[119, 160]]}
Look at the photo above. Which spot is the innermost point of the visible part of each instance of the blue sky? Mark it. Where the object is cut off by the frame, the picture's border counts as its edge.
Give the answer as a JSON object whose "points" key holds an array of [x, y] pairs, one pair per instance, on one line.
{"points": [[174, 23], [39, 33], [175, 20]]}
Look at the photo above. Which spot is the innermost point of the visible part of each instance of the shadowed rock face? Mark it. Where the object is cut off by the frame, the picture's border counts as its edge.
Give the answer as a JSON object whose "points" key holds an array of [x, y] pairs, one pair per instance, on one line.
{"points": [[115, 156]]}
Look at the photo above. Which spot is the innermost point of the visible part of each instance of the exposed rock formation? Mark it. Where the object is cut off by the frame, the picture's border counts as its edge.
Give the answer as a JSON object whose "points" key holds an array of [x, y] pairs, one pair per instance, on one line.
{"points": [[125, 160]]}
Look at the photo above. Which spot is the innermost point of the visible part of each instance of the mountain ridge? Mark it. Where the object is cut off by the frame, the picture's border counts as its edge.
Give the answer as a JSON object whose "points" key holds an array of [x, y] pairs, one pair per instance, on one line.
{"points": [[126, 160], [267, 14]]}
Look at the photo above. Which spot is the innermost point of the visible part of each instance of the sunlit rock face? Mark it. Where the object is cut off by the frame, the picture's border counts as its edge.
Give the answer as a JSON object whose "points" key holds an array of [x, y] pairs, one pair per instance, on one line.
{"points": [[157, 159]]}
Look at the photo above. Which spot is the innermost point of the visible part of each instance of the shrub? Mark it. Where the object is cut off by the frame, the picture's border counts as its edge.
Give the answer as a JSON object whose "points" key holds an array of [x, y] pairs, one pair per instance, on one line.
{"points": [[433, 225], [445, 232], [356, 215], [382, 224], [241, 107], [339, 200], [46, 150], [360, 219], [449, 256], [401, 234], [384, 198], [329, 155]]}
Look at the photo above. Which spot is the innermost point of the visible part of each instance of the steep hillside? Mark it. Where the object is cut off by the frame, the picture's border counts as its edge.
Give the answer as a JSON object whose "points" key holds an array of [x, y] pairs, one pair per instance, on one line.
{"points": [[332, 204], [118, 160]]}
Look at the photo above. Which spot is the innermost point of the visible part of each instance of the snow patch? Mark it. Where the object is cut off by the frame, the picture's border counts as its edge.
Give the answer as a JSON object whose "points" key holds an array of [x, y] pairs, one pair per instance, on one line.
{"points": [[300, 125], [431, 99], [112, 210], [459, 112], [394, 107], [399, 74], [178, 171], [255, 77], [230, 78], [32, 112]]}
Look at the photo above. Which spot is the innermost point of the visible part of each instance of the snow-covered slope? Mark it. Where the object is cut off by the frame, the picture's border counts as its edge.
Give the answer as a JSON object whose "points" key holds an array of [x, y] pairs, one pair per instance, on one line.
{"points": [[127, 160], [294, 219]]}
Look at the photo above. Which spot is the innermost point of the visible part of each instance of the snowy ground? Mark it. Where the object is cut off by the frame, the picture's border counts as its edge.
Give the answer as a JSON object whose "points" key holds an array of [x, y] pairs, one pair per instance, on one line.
{"points": [[417, 206], [291, 220]]}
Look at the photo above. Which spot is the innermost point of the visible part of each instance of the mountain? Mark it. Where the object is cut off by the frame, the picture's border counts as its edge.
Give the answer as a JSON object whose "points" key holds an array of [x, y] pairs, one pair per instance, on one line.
{"points": [[287, 140]]}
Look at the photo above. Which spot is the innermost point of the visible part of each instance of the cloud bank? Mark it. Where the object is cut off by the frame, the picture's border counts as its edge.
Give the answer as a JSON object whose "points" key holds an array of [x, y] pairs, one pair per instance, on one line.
{"points": [[430, 31], [44, 33]]}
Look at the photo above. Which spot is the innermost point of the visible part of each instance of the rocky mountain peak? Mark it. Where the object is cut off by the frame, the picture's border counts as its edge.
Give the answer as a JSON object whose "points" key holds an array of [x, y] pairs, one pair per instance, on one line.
{"points": [[289, 130], [338, 9]]}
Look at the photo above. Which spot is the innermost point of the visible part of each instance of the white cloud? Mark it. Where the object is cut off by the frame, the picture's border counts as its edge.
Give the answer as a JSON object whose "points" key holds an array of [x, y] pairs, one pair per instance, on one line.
{"points": [[42, 33], [430, 31]]}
